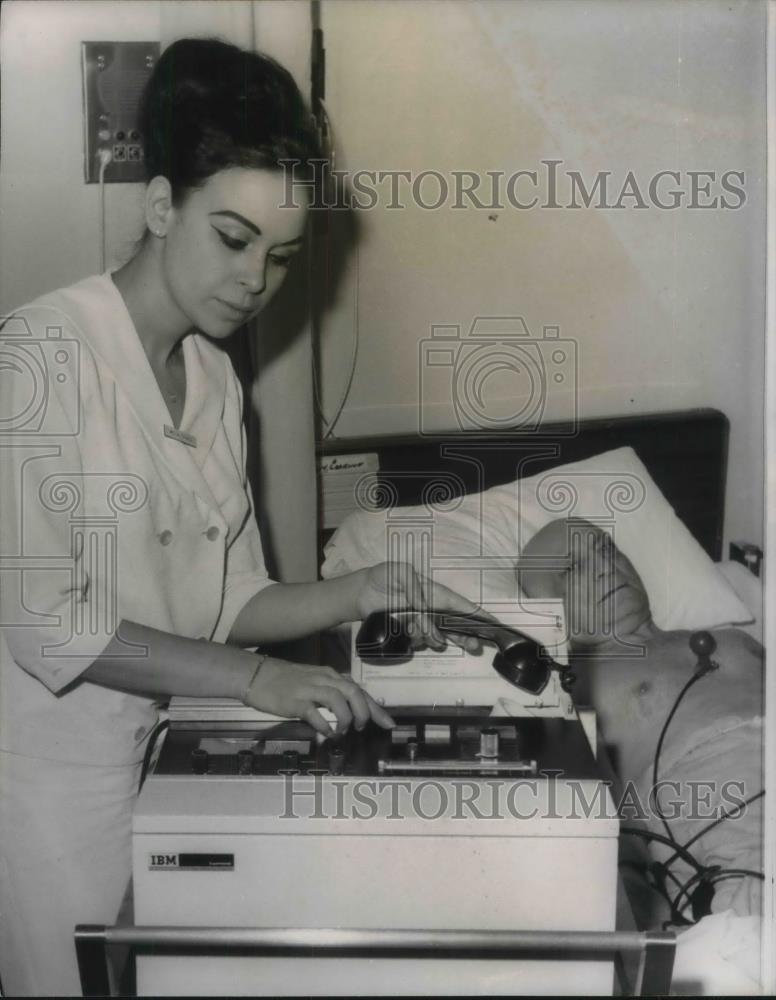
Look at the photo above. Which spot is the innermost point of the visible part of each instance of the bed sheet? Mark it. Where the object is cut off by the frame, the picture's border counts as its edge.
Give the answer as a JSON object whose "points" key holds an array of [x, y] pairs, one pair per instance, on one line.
{"points": [[720, 955]]}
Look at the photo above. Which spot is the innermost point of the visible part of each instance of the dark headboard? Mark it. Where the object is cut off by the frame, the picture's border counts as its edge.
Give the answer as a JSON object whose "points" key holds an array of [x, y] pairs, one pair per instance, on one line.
{"points": [[685, 453]]}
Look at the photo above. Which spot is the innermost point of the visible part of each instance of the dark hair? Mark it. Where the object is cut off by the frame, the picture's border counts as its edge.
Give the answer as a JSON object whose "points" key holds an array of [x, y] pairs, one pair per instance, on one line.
{"points": [[209, 105]]}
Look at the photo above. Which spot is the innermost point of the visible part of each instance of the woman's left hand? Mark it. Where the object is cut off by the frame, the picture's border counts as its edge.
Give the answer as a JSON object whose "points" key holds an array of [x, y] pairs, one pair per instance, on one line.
{"points": [[397, 586]]}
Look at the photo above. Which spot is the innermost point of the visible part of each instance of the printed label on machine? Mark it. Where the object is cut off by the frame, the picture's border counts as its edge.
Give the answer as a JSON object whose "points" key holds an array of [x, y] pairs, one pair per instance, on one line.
{"points": [[191, 862]]}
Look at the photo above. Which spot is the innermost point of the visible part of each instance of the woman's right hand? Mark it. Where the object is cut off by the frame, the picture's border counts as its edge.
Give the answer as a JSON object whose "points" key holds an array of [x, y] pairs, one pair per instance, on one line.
{"points": [[297, 691]]}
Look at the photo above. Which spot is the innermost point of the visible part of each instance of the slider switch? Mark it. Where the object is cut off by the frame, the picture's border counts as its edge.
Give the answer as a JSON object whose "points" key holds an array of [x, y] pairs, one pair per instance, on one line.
{"points": [[489, 743], [200, 761]]}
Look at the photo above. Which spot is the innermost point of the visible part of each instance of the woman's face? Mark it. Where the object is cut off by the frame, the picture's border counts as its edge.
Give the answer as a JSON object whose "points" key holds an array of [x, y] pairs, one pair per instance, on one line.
{"points": [[228, 247]]}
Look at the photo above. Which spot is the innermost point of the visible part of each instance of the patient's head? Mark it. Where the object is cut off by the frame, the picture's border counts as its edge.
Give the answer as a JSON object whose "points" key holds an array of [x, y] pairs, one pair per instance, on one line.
{"points": [[577, 562]]}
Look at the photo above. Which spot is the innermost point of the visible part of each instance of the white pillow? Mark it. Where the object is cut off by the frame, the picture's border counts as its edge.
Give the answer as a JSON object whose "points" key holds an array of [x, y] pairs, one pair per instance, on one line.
{"points": [[452, 541], [472, 543], [750, 589], [615, 491]]}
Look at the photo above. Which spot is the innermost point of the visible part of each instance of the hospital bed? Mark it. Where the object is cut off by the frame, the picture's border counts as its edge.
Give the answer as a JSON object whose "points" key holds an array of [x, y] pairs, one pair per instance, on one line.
{"points": [[414, 492], [684, 455]]}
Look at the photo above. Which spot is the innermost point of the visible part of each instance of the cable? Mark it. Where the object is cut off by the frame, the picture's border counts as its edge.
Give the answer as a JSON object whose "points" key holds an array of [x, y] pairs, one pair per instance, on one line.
{"points": [[671, 875], [328, 140], [707, 877], [645, 871], [695, 677], [710, 826], [711, 876], [738, 873], [104, 157], [328, 133], [704, 877], [316, 334], [330, 424], [659, 871], [153, 739], [668, 841]]}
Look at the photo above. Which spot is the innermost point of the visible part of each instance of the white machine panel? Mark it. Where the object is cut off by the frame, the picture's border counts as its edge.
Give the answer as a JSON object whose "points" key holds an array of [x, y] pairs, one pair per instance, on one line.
{"points": [[261, 839]]}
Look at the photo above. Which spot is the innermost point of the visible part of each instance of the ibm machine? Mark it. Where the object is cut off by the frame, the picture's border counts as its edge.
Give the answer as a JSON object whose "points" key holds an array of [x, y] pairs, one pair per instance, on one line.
{"points": [[470, 850]]}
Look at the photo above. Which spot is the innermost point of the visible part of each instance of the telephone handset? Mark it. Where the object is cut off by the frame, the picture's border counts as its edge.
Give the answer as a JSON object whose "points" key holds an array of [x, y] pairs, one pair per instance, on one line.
{"points": [[383, 639]]}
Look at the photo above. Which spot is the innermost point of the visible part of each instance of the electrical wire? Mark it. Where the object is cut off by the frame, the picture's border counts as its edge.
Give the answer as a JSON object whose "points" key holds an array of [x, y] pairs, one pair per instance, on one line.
{"points": [[710, 826], [659, 871], [668, 841], [331, 424], [104, 156], [700, 880], [327, 136], [704, 877], [327, 132], [695, 677], [315, 322], [711, 876], [153, 739], [644, 871]]}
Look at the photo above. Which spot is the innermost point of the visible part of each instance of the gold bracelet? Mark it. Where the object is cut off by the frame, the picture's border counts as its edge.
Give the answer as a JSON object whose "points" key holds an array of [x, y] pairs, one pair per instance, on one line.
{"points": [[262, 657]]}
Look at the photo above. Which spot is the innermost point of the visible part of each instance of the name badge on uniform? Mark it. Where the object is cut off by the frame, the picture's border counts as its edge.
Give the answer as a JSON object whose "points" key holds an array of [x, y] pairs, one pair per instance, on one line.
{"points": [[182, 436]]}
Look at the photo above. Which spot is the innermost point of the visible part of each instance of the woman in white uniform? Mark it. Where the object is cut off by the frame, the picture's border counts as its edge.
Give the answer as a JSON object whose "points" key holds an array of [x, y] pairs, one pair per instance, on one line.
{"points": [[131, 567]]}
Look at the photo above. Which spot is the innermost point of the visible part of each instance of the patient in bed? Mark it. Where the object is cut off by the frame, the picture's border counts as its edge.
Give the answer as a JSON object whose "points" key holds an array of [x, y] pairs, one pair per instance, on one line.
{"points": [[632, 673]]}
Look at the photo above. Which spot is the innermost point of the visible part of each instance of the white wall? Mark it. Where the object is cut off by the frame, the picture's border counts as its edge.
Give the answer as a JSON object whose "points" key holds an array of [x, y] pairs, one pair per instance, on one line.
{"points": [[666, 307], [50, 236]]}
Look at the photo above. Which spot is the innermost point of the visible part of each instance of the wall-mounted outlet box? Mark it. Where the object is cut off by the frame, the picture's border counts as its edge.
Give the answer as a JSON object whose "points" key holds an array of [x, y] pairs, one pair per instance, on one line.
{"points": [[114, 74], [749, 554]]}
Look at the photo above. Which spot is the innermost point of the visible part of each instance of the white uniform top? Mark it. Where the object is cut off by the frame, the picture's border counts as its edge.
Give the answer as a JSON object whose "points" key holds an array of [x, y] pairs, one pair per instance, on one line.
{"points": [[104, 517]]}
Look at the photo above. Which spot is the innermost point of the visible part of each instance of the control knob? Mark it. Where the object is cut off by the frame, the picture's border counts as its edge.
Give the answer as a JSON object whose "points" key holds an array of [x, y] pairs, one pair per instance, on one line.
{"points": [[336, 760]]}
